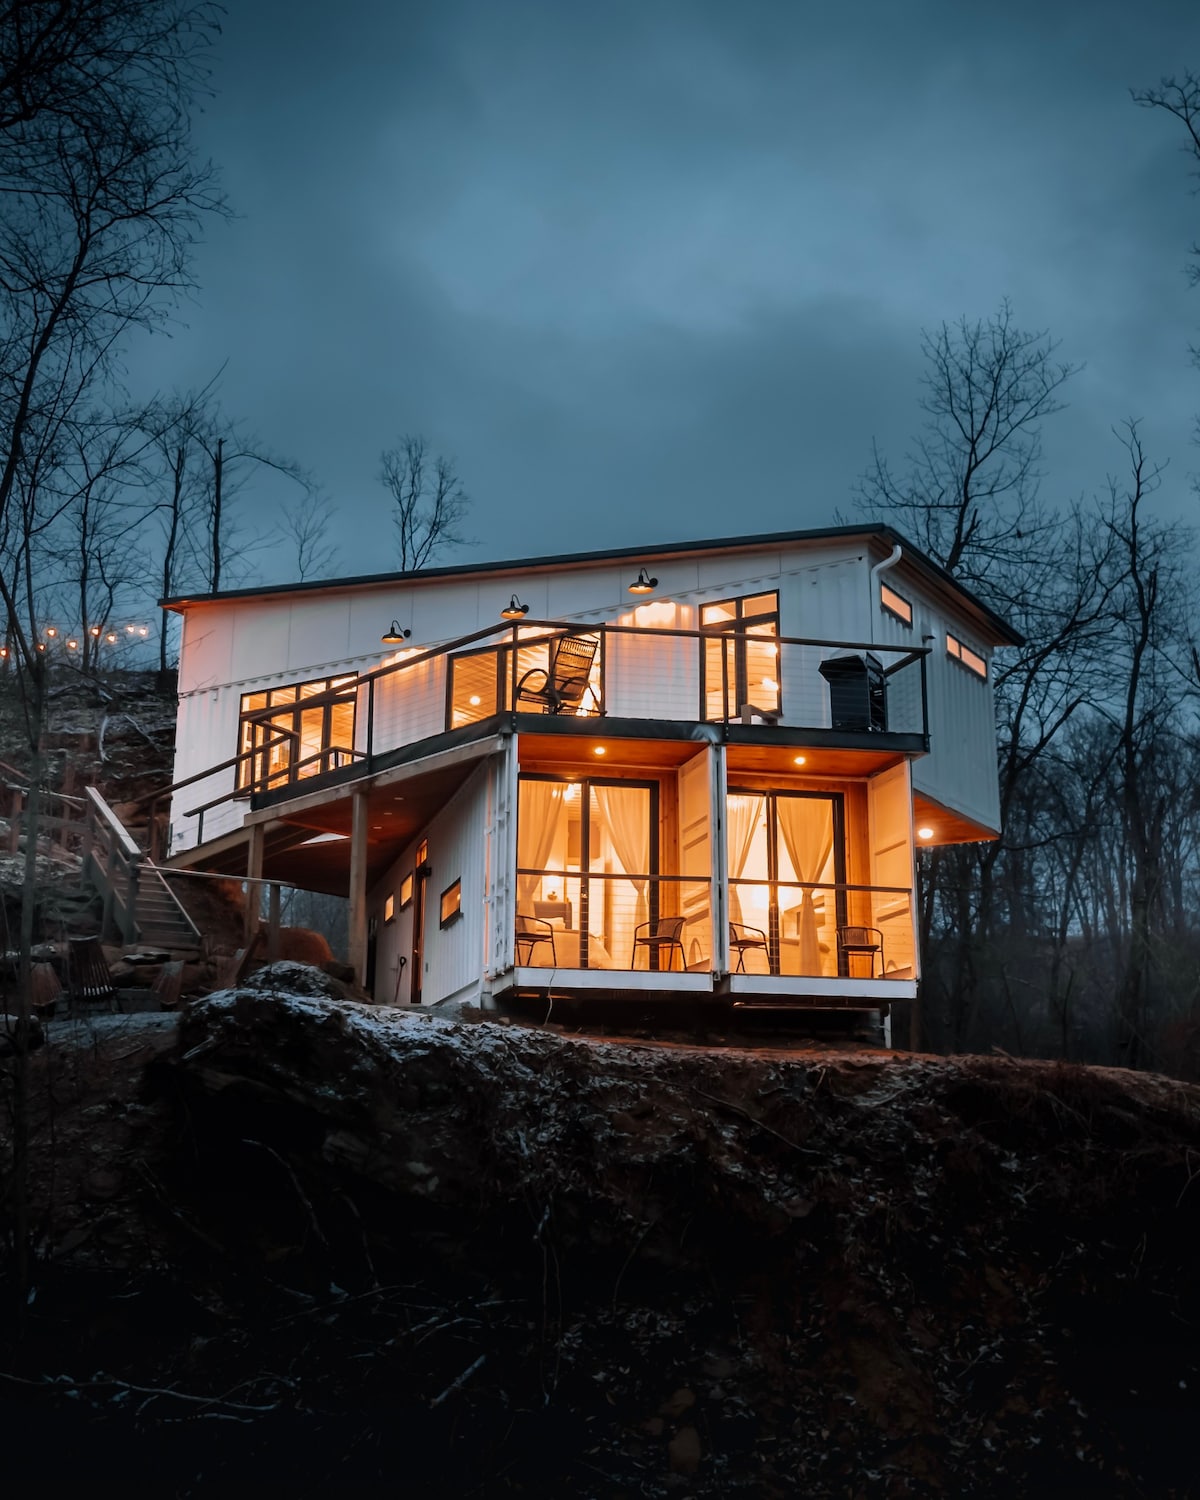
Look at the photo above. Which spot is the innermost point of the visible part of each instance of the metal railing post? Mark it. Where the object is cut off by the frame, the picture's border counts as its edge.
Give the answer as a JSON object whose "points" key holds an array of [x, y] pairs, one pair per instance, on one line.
{"points": [[370, 722]]}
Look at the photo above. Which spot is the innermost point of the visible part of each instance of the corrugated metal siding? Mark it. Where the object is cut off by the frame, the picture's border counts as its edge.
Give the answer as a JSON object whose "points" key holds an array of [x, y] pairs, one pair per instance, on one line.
{"points": [[454, 955]]}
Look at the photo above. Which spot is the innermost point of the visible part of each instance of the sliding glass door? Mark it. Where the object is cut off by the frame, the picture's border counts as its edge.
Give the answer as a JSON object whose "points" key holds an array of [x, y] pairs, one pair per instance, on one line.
{"points": [[787, 878], [587, 871]]}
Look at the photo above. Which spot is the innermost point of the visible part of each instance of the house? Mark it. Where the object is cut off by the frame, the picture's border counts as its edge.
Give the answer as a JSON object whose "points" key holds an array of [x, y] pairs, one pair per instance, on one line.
{"points": [[697, 771]]}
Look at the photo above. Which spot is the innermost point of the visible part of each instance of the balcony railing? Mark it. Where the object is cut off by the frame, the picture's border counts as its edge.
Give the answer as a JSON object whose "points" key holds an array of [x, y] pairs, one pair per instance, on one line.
{"points": [[803, 929], [646, 673], [572, 920], [569, 919]]}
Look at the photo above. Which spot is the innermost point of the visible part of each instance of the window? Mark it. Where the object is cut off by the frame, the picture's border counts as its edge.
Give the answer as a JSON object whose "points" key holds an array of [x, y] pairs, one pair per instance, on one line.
{"points": [[284, 741], [895, 604], [406, 889], [451, 903], [741, 669], [389, 908], [963, 653]]}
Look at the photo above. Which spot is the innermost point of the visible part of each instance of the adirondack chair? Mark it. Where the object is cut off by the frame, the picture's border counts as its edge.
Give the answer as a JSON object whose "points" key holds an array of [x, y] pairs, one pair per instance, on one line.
{"points": [[561, 689], [89, 981]]}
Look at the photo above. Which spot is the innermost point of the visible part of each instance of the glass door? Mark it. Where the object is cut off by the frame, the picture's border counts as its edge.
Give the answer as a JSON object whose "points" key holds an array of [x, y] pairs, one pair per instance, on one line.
{"points": [[786, 881], [587, 866]]}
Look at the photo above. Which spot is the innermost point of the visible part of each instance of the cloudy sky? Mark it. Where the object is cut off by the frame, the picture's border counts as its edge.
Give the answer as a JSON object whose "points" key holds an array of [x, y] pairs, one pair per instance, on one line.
{"points": [[658, 269]]}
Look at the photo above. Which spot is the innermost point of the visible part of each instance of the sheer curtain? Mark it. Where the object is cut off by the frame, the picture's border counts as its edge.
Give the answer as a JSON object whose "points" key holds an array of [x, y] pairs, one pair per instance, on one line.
{"points": [[741, 817], [540, 805], [625, 814], [807, 827]]}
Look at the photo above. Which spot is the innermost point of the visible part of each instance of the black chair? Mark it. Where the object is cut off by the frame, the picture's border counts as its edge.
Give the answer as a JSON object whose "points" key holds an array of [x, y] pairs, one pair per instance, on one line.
{"points": [[743, 940], [561, 689], [530, 932], [656, 935], [861, 941]]}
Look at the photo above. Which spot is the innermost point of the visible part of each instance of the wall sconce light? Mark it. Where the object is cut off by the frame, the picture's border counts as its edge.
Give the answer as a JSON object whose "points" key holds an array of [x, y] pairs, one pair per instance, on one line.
{"points": [[514, 609], [643, 585], [394, 635]]}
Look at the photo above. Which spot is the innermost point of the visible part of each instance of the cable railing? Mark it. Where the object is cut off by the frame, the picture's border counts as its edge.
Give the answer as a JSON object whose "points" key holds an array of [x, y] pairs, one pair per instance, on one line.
{"points": [[613, 921], [636, 672], [806, 929]]}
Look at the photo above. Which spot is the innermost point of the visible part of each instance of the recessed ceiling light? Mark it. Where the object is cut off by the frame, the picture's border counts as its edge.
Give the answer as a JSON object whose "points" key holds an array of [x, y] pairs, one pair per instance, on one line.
{"points": [[924, 833], [800, 760], [473, 700], [599, 750]]}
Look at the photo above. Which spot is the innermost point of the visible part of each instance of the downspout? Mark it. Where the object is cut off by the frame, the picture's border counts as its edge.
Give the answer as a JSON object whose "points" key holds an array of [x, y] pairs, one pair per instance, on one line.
{"points": [[881, 567]]}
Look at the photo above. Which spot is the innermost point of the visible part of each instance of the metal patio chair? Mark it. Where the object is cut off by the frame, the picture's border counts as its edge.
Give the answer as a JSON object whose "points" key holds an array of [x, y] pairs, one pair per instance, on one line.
{"points": [[743, 940], [861, 942], [656, 935], [561, 689], [530, 932]]}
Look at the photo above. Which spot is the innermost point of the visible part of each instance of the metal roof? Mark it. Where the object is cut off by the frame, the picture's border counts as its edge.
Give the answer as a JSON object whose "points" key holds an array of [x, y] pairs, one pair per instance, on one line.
{"points": [[644, 554]]}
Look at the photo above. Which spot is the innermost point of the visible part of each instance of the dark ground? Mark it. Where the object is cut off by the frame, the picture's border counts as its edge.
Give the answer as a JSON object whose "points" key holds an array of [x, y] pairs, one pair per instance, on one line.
{"points": [[317, 1248]]}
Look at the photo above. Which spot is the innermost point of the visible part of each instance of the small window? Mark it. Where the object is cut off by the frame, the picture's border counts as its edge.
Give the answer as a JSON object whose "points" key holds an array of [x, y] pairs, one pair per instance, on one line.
{"points": [[389, 908], [406, 888], [452, 903], [963, 653], [895, 604], [422, 853]]}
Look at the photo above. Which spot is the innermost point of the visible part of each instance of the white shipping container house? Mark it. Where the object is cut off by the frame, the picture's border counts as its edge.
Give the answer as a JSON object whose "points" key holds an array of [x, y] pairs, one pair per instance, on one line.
{"points": [[698, 770]]}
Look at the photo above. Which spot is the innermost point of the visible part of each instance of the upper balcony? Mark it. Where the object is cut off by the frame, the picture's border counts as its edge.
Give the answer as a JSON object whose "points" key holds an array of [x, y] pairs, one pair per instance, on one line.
{"points": [[561, 677]]}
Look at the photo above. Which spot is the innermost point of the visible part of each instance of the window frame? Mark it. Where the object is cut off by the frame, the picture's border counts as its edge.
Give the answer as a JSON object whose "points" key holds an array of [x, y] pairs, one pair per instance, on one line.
{"points": [[254, 772], [737, 631], [966, 656], [453, 893], [406, 892], [890, 609]]}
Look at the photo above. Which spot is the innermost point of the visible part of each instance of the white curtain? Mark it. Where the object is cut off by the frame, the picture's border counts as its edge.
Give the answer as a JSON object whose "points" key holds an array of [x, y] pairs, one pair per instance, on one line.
{"points": [[807, 827], [540, 805], [741, 818], [625, 813]]}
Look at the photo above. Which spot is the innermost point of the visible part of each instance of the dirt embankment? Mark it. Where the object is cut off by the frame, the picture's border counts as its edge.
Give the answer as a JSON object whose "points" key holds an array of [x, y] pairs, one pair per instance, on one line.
{"points": [[350, 1247]]}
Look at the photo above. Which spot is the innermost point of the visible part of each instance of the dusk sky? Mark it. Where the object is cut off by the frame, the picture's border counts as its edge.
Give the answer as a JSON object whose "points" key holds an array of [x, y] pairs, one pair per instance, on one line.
{"points": [[654, 271]]}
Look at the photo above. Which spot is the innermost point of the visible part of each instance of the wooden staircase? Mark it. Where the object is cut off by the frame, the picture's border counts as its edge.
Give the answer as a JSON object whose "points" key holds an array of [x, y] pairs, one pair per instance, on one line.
{"points": [[139, 906]]}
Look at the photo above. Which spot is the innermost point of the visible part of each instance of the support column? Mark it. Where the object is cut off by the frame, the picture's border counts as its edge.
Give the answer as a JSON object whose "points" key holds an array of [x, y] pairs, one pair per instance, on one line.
{"points": [[358, 888], [254, 869]]}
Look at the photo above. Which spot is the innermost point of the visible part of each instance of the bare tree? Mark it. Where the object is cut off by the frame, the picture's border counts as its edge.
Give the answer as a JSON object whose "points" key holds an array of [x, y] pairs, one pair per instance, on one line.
{"points": [[305, 526], [969, 490], [430, 502], [102, 198]]}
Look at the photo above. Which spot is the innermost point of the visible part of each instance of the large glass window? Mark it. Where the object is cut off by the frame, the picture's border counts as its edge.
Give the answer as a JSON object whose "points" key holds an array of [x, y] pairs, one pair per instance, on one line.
{"points": [[740, 671], [283, 740], [786, 881]]}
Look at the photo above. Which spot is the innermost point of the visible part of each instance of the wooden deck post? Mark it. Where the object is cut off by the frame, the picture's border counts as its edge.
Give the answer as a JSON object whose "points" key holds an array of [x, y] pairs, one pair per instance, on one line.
{"points": [[273, 924], [358, 888], [254, 869]]}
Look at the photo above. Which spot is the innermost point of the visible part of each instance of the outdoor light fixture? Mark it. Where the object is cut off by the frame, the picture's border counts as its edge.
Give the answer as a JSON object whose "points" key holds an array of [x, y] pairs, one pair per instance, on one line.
{"points": [[924, 833], [394, 635], [72, 644], [514, 609], [51, 631], [111, 637], [643, 585], [95, 630]]}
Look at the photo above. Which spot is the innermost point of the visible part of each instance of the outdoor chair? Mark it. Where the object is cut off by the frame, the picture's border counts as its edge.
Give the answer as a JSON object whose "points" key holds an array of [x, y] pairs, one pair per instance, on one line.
{"points": [[656, 935], [743, 940], [530, 932], [861, 942], [561, 689], [89, 981]]}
